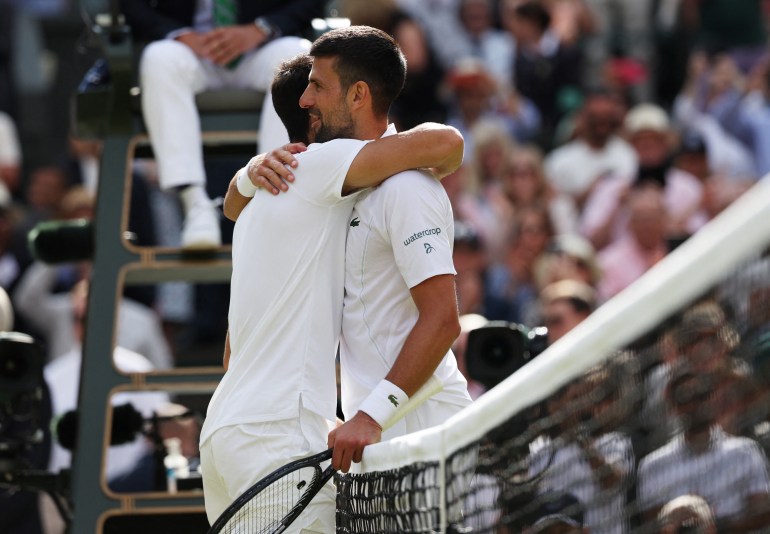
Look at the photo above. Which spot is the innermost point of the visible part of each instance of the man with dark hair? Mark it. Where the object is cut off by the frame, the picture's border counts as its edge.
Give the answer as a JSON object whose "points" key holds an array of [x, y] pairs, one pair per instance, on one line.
{"points": [[377, 62], [398, 256], [729, 472], [277, 399], [547, 71], [290, 80]]}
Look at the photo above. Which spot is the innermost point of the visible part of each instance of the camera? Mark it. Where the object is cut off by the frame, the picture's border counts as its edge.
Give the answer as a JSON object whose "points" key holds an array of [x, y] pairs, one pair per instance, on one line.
{"points": [[499, 348], [21, 397]]}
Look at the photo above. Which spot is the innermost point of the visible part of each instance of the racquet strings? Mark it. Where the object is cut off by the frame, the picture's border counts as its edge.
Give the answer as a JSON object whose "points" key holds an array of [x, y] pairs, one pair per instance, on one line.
{"points": [[267, 511]]}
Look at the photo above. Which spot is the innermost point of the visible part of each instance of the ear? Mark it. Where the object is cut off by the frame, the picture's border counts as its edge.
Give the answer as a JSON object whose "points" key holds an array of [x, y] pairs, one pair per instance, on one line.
{"points": [[359, 95]]}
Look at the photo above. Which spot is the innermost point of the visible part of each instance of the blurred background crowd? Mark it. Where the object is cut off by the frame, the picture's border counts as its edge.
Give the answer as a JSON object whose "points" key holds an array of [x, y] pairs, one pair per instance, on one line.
{"points": [[599, 135]]}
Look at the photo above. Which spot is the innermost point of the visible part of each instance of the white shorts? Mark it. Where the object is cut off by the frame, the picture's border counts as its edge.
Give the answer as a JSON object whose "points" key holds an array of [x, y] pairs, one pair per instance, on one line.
{"points": [[235, 457]]}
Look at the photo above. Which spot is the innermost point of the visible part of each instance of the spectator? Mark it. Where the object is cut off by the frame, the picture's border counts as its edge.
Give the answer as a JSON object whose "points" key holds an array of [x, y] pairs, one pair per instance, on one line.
{"points": [[138, 328], [564, 305], [571, 20], [568, 257], [476, 96], [689, 512], [466, 207], [623, 30], [736, 27], [594, 468], [492, 146], [705, 339], [494, 47], [62, 376], [419, 101], [546, 70], [10, 156], [575, 168], [198, 46], [46, 187], [605, 221], [512, 278], [470, 261], [557, 514], [524, 184], [743, 401], [755, 115], [631, 256], [702, 331], [729, 472], [442, 27], [710, 105]]}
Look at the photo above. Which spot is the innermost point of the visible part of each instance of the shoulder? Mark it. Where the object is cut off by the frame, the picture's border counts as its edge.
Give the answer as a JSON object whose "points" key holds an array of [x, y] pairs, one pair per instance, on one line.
{"points": [[412, 179], [320, 157], [739, 444], [561, 154], [659, 457], [333, 146], [619, 145], [410, 188]]}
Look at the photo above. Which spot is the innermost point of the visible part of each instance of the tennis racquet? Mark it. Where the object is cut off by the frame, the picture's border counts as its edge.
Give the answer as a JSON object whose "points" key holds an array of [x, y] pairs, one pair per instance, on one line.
{"points": [[274, 502]]}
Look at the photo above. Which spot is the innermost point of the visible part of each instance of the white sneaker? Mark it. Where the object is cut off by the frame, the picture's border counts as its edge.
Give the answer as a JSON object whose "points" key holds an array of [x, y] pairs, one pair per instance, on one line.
{"points": [[201, 228]]}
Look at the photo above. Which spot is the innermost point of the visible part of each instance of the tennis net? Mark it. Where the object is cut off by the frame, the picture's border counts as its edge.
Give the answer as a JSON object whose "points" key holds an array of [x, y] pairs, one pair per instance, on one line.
{"points": [[654, 409]]}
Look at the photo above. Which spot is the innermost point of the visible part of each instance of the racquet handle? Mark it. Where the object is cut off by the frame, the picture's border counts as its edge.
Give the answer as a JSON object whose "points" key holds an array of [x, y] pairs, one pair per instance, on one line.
{"points": [[428, 389]]}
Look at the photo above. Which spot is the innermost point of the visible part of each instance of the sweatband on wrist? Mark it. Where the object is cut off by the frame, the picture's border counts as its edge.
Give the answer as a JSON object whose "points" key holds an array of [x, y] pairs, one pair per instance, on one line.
{"points": [[244, 185], [383, 401]]}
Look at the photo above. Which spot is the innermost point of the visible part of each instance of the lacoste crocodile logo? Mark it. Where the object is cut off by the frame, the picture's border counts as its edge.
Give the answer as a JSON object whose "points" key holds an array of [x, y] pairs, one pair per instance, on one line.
{"points": [[355, 222], [393, 399]]}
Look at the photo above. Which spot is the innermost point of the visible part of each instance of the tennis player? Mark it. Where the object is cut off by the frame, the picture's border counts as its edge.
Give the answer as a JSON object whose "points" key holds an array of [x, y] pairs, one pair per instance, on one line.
{"points": [[274, 402], [400, 314]]}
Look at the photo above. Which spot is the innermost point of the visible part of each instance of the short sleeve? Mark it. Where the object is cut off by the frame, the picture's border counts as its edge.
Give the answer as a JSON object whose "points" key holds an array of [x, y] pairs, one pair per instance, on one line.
{"points": [[321, 170], [420, 223]]}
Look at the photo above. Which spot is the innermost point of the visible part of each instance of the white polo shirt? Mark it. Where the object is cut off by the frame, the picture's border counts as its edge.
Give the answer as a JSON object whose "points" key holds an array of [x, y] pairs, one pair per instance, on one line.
{"points": [[399, 235], [286, 295], [732, 469]]}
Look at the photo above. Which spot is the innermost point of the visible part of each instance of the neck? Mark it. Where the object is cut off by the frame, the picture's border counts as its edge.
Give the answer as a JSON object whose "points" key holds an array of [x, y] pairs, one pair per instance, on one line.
{"points": [[698, 440], [372, 128]]}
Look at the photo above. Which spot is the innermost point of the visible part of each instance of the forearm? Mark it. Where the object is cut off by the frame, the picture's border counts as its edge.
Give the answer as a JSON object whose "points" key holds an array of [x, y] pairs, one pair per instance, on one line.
{"points": [[427, 146], [425, 346], [234, 200], [445, 146]]}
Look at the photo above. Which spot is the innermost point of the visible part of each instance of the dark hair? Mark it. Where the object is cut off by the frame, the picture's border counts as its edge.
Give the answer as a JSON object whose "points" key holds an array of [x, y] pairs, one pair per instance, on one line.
{"points": [[369, 55], [289, 83], [535, 12]]}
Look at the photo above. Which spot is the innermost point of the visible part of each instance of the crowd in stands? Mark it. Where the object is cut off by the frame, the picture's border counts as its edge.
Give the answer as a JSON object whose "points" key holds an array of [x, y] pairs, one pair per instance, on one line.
{"points": [[599, 135]]}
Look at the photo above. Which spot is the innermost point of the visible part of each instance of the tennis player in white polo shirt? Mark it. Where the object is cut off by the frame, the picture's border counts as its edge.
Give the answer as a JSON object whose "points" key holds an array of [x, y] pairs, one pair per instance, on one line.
{"points": [[279, 392]]}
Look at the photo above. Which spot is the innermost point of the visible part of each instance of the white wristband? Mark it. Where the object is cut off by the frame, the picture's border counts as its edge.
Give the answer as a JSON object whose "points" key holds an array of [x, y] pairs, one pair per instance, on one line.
{"points": [[383, 401], [244, 185]]}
